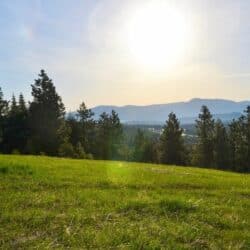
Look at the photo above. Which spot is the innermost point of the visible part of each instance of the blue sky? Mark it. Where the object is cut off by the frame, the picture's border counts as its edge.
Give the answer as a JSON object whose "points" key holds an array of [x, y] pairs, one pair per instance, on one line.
{"points": [[82, 46]]}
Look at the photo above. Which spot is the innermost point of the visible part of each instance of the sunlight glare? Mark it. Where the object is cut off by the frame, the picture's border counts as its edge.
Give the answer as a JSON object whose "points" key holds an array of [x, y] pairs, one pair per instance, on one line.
{"points": [[158, 36]]}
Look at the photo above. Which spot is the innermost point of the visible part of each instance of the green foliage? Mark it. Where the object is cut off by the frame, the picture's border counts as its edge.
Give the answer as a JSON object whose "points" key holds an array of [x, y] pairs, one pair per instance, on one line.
{"points": [[86, 128], [3, 105], [22, 104], [46, 115], [109, 136], [84, 114], [51, 203], [89, 157], [139, 146], [204, 153], [221, 147], [40, 127], [66, 150], [13, 106], [144, 149], [240, 142], [64, 132], [76, 130], [171, 142], [79, 151], [3, 113], [15, 152], [16, 131]]}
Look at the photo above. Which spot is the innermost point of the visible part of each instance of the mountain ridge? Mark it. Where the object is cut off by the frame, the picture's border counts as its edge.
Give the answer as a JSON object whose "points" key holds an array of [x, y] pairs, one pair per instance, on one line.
{"points": [[187, 111], [168, 103]]}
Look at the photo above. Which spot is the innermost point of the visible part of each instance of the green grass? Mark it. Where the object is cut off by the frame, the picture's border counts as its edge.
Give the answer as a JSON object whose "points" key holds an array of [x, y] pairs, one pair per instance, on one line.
{"points": [[60, 203]]}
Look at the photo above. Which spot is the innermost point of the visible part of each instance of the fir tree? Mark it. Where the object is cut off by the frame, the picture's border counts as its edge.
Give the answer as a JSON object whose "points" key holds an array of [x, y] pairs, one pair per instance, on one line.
{"points": [[139, 146], [205, 132], [172, 148], [46, 115], [247, 115], [10, 134], [22, 104], [109, 136], [221, 147], [16, 127], [13, 106], [3, 114], [87, 128], [3, 105], [84, 114]]}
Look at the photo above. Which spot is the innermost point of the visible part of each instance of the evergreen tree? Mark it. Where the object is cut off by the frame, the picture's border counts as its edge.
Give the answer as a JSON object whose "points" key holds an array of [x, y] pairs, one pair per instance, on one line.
{"points": [[139, 146], [22, 104], [65, 149], [104, 137], [16, 127], [23, 125], [247, 129], [116, 135], [11, 128], [233, 138], [239, 142], [87, 128], [3, 105], [109, 137], [205, 132], [76, 130], [13, 106], [79, 151], [243, 163], [172, 150], [247, 112], [3, 114], [221, 147], [150, 153], [144, 148], [46, 116], [84, 114]]}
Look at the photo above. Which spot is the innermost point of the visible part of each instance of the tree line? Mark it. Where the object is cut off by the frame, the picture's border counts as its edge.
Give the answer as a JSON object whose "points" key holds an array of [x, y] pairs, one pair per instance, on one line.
{"points": [[41, 127]]}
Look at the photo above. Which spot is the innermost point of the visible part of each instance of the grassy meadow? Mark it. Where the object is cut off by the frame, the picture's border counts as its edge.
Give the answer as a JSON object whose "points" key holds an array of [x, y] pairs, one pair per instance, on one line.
{"points": [[57, 203]]}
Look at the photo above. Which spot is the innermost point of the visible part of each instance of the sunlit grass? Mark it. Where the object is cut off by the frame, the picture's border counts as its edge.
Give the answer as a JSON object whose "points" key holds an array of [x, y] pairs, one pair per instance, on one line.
{"points": [[59, 203]]}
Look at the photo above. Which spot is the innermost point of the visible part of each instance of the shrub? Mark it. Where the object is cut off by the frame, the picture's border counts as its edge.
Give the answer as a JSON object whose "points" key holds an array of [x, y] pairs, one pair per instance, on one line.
{"points": [[79, 151], [15, 152], [66, 150], [89, 156]]}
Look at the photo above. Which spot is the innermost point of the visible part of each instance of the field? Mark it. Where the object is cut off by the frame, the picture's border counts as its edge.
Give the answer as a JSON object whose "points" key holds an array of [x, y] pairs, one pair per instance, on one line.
{"points": [[59, 203]]}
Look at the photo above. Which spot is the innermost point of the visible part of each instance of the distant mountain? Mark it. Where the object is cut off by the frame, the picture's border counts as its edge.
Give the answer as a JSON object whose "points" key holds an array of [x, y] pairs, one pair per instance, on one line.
{"points": [[187, 112]]}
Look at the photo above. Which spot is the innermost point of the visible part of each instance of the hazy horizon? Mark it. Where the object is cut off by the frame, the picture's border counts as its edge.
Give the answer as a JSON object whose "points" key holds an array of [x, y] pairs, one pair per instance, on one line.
{"points": [[95, 50], [166, 103]]}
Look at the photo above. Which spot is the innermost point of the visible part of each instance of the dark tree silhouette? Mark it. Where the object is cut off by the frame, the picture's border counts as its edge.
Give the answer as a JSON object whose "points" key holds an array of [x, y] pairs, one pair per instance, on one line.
{"points": [[171, 142], [221, 146], [46, 116], [205, 132]]}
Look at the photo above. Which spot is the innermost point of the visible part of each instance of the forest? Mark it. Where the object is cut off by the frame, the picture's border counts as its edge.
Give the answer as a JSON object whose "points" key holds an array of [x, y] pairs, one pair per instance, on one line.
{"points": [[42, 127]]}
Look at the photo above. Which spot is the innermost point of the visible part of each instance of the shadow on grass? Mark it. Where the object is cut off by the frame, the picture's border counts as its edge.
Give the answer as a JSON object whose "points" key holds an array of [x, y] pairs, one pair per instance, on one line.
{"points": [[16, 170], [161, 208], [57, 184]]}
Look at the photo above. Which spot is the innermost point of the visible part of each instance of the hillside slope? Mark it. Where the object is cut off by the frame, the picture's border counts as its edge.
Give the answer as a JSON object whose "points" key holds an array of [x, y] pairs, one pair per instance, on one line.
{"points": [[60, 203]]}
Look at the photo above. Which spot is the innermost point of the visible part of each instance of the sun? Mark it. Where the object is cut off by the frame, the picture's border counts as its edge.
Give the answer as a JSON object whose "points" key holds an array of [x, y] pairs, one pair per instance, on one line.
{"points": [[158, 36]]}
